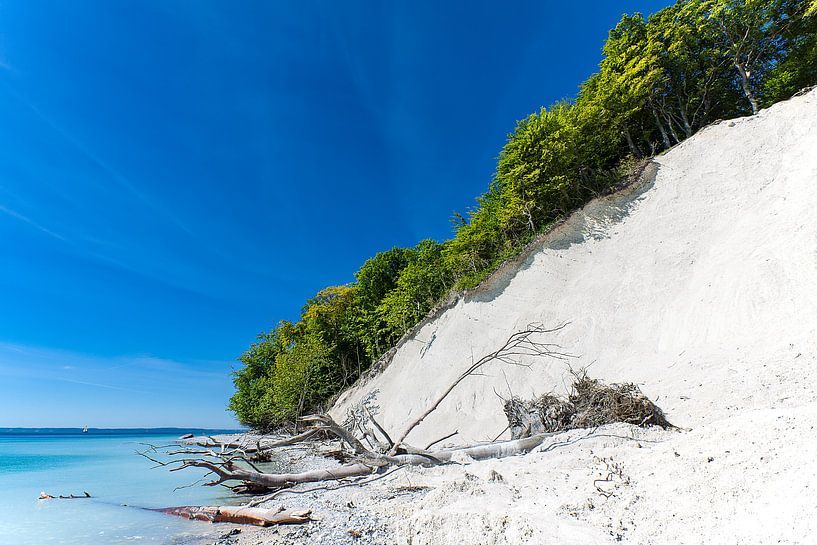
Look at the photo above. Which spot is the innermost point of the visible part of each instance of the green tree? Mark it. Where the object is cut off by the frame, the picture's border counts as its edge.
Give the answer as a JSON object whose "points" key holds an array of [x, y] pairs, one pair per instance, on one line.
{"points": [[478, 242], [253, 401], [377, 277], [624, 86], [300, 383], [420, 286], [330, 317], [751, 34], [695, 84], [798, 66]]}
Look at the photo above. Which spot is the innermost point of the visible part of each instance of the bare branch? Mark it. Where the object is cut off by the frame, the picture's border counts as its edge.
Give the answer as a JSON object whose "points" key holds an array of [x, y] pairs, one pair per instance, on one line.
{"points": [[379, 427], [441, 439], [521, 343], [324, 422]]}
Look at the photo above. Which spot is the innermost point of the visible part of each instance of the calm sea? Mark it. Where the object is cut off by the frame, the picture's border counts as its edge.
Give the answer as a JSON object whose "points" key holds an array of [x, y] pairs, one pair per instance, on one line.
{"points": [[104, 463]]}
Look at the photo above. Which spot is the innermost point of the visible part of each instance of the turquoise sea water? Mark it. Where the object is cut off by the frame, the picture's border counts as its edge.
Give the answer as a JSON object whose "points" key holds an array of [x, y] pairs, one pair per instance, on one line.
{"points": [[103, 463]]}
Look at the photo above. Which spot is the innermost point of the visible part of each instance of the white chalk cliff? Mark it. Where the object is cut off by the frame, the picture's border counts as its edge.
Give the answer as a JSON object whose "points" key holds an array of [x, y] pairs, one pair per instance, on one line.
{"points": [[700, 285]]}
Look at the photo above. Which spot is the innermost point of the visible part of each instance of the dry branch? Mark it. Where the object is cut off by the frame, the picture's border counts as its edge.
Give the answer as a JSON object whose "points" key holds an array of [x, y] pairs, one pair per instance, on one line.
{"points": [[441, 439], [247, 445], [379, 427], [324, 422], [520, 344], [591, 403]]}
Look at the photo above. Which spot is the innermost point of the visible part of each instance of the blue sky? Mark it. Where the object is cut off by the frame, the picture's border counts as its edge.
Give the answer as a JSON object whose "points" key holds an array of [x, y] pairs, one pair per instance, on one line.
{"points": [[177, 176]]}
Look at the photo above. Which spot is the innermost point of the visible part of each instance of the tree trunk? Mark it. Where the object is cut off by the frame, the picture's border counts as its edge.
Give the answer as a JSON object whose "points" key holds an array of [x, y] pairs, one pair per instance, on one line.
{"points": [[630, 144], [247, 446], [674, 134], [233, 472], [682, 113], [744, 82], [664, 135]]}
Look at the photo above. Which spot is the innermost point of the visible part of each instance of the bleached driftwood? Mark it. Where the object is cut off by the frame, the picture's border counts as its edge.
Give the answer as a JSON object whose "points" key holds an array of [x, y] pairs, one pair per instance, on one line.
{"points": [[257, 516], [368, 464], [248, 444]]}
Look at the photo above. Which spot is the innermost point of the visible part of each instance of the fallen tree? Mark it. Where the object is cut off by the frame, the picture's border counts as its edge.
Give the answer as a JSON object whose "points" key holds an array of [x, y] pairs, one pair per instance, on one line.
{"points": [[369, 463], [368, 449], [233, 460], [253, 447]]}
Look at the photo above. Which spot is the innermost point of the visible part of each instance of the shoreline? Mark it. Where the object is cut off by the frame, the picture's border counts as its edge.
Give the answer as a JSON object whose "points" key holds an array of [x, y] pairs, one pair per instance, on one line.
{"points": [[464, 502], [580, 487]]}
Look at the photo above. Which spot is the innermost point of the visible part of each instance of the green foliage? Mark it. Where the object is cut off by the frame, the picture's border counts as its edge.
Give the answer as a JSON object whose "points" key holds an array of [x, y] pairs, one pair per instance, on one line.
{"points": [[420, 286], [660, 81], [376, 278], [477, 242], [254, 402], [798, 67]]}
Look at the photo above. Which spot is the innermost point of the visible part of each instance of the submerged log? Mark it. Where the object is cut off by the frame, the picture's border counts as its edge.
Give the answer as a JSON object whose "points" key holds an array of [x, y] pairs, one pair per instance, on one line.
{"points": [[46, 496], [236, 514]]}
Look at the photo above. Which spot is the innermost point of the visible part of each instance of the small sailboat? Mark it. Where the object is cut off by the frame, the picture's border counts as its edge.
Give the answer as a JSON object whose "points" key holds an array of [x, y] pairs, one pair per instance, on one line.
{"points": [[85, 429]]}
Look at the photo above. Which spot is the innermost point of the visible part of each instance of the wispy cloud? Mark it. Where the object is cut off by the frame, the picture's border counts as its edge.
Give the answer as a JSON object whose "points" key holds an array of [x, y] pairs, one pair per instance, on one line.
{"points": [[54, 375], [140, 373], [97, 385], [71, 387], [31, 222], [5, 64], [163, 365], [114, 174], [96, 159]]}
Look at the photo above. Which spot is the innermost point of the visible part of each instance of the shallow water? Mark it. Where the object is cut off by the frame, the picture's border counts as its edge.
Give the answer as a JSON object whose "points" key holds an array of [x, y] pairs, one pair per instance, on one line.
{"points": [[106, 466]]}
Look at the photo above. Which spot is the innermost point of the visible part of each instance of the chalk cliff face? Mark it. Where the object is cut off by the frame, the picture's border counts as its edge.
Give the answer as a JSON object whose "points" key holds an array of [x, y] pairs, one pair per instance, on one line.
{"points": [[699, 284]]}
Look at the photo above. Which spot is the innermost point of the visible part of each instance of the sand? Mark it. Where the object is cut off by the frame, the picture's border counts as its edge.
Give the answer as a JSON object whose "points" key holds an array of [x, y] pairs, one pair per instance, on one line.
{"points": [[700, 285]]}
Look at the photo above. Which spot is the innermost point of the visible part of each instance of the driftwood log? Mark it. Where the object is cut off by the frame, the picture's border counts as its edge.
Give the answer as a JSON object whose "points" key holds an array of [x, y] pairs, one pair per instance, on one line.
{"points": [[369, 464], [239, 514]]}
